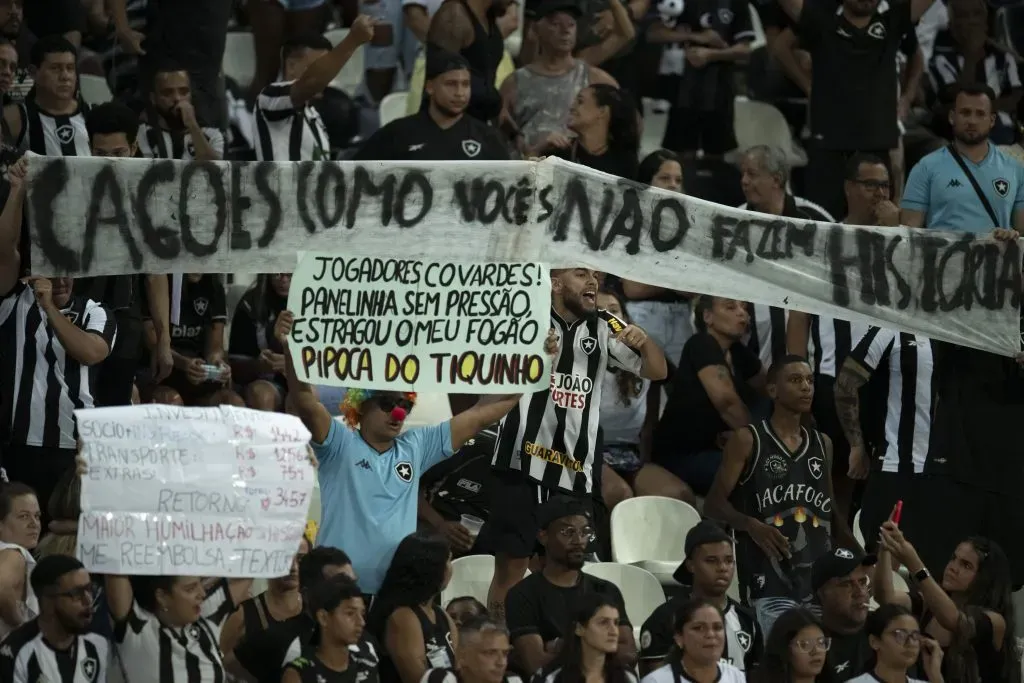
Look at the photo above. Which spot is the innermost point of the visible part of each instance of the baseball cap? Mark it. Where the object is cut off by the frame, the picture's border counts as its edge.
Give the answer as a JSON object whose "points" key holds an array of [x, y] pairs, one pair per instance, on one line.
{"points": [[837, 563], [440, 62], [549, 7], [705, 533], [559, 507]]}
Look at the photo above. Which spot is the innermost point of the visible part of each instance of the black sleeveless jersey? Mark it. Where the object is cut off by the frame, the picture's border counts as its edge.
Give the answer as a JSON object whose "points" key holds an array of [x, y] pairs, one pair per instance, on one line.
{"points": [[312, 670], [790, 491]]}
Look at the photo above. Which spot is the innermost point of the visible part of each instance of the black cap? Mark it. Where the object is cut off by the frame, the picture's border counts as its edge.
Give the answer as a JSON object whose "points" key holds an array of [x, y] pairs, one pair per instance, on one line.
{"points": [[705, 533], [560, 507], [837, 563], [441, 62], [549, 7]]}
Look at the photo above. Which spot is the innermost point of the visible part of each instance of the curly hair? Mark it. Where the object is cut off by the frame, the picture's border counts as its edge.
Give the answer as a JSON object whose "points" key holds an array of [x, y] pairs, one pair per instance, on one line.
{"points": [[351, 406]]}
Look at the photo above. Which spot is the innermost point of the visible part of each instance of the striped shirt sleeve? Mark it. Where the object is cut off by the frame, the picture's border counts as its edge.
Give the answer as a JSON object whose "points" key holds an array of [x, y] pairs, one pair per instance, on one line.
{"points": [[216, 140], [873, 347], [99, 320]]}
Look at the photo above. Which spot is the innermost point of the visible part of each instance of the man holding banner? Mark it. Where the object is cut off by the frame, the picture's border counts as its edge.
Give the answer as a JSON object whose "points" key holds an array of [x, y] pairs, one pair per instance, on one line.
{"points": [[369, 470]]}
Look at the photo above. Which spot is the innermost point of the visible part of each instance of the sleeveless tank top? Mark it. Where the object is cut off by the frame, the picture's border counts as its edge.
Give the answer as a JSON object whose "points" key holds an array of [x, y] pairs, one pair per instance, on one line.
{"points": [[437, 638], [542, 102], [30, 605], [788, 490], [484, 54], [256, 614]]}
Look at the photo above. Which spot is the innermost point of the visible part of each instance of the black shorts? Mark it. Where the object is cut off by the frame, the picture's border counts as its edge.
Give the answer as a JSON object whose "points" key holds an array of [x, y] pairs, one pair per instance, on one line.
{"points": [[512, 528], [827, 422], [690, 130], [939, 513]]}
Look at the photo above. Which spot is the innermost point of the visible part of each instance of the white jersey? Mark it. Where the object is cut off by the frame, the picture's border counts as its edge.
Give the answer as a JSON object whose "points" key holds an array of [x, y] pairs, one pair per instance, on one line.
{"points": [[727, 673], [30, 605]]}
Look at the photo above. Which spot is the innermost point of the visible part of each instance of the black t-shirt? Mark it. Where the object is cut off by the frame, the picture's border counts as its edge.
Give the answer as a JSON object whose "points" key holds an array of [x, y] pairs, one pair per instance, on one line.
{"points": [[202, 304], [849, 656], [252, 327], [617, 164], [419, 138], [536, 606], [312, 670], [853, 101], [742, 642], [710, 88], [462, 484], [691, 423]]}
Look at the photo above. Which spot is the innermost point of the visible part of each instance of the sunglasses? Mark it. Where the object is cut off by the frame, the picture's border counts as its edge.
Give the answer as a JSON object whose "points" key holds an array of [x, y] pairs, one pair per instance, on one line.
{"points": [[389, 403]]}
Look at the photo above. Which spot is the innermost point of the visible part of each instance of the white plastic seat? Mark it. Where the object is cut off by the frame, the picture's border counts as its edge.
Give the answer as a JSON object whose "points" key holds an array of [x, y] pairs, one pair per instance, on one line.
{"points": [[650, 532], [350, 77], [856, 529], [430, 409], [239, 61], [95, 89], [393, 106], [471, 575], [759, 123], [641, 590]]}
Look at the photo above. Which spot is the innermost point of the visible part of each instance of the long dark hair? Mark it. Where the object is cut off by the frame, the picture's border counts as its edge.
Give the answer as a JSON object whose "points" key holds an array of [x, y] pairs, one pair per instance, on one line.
{"points": [[879, 619], [623, 127], [570, 658], [415, 577], [990, 590], [682, 616], [264, 295], [653, 162], [776, 664]]}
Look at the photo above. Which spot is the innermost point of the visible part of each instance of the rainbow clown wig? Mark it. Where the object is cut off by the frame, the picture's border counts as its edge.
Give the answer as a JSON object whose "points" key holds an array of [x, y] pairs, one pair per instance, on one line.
{"points": [[354, 399]]}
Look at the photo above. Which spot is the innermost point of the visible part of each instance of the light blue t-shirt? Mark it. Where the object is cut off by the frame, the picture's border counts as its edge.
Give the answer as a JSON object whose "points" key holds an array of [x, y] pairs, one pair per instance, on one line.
{"points": [[938, 187], [368, 499]]}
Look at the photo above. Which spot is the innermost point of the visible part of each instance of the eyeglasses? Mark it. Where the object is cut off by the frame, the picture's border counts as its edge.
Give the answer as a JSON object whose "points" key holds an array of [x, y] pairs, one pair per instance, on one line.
{"points": [[79, 594], [873, 184], [389, 403], [809, 645], [570, 532], [902, 636]]}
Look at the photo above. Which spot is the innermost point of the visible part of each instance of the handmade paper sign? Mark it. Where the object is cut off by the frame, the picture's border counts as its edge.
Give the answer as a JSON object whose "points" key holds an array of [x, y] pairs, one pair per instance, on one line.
{"points": [[400, 325], [192, 491]]}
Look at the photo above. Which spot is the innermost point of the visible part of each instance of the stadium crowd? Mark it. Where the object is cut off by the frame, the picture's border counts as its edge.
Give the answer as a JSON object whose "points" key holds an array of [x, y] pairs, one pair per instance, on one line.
{"points": [[779, 427]]}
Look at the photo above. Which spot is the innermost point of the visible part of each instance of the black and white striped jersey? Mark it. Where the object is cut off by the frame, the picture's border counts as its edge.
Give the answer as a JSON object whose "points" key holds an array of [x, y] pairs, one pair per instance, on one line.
{"points": [[551, 435], [62, 135], [153, 653], [285, 132], [158, 143], [44, 385], [830, 341], [26, 657], [897, 409]]}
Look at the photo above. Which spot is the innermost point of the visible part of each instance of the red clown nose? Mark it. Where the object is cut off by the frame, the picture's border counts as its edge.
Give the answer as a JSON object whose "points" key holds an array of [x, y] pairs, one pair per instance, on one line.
{"points": [[398, 414]]}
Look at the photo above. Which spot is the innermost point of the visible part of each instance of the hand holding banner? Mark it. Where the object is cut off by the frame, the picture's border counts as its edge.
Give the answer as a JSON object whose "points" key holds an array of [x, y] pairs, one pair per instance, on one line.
{"points": [[192, 491], [405, 325]]}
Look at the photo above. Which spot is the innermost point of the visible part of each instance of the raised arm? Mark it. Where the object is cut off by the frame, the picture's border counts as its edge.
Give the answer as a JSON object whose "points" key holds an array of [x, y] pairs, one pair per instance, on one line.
{"points": [[10, 217], [158, 297], [718, 385], [302, 397], [842, 536], [486, 412], [119, 596], [622, 33], [89, 346], [793, 8], [320, 73], [798, 329]]}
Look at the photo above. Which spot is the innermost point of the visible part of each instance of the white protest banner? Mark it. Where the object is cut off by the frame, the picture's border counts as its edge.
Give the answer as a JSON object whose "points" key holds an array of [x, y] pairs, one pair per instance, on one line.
{"points": [[397, 325], [192, 491], [157, 216]]}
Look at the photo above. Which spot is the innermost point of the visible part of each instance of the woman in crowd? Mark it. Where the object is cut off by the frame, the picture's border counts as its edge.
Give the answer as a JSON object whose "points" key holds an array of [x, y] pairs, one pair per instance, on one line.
{"points": [[151, 613], [416, 633], [795, 651], [628, 427], [20, 523], [896, 638], [719, 384], [606, 127], [337, 605], [699, 644], [968, 610], [589, 651], [257, 359], [462, 609], [279, 603]]}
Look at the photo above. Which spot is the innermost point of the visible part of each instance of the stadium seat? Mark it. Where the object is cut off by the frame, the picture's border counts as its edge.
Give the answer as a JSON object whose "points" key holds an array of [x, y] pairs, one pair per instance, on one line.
{"points": [[471, 575], [641, 590], [650, 531], [393, 106], [431, 409], [856, 529], [755, 21], [95, 89], [239, 62], [760, 123], [350, 77]]}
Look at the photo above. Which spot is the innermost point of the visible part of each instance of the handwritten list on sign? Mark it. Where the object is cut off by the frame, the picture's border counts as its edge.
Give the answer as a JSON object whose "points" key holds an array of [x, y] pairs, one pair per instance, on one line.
{"points": [[192, 491]]}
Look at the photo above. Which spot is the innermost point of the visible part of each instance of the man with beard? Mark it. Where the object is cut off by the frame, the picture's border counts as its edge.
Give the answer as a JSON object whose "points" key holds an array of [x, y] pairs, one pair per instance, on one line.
{"points": [[854, 89], [542, 605], [973, 186], [171, 130], [547, 443], [441, 131], [775, 488], [57, 646], [841, 581]]}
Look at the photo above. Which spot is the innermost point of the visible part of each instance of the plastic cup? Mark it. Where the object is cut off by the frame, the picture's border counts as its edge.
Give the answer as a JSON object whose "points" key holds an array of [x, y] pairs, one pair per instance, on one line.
{"points": [[472, 524]]}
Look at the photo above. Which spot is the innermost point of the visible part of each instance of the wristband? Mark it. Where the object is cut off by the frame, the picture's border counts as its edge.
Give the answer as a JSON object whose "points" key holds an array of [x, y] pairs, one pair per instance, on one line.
{"points": [[922, 575]]}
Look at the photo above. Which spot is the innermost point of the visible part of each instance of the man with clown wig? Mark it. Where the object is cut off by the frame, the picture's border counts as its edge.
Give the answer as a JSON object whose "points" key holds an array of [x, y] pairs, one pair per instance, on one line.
{"points": [[369, 470]]}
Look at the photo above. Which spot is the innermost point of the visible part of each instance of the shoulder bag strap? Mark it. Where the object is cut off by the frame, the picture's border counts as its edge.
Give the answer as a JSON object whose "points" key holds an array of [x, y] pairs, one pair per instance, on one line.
{"points": [[974, 183]]}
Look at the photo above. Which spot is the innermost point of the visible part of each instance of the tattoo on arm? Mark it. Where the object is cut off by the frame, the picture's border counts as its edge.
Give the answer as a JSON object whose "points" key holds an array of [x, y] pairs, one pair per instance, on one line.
{"points": [[847, 390], [450, 28]]}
